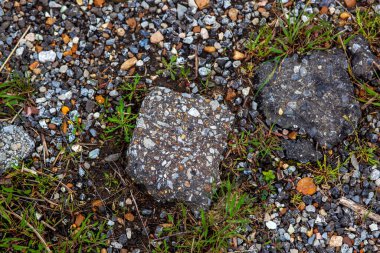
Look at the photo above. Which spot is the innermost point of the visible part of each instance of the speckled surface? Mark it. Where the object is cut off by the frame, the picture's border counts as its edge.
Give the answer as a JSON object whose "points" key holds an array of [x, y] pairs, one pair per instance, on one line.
{"points": [[363, 60], [15, 145], [313, 94], [177, 146]]}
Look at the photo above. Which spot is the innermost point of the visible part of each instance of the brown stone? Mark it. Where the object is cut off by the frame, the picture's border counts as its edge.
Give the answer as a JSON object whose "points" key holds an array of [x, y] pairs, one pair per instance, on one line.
{"points": [[52, 126], [202, 4], [306, 186], [156, 37], [324, 10], [209, 49], [79, 219], [348, 241], [65, 38], [34, 65], [128, 63], [131, 22], [233, 14], [50, 21], [197, 29], [345, 15], [99, 3], [350, 3], [237, 56]]}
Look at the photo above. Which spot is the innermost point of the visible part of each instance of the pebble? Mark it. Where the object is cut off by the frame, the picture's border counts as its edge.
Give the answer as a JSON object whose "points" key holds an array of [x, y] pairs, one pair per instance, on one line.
{"points": [[375, 174], [336, 241], [310, 209], [20, 51], [373, 227], [203, 71], [156, 37], [271, 225], [204, 34], [63, 68], [128, 63], [350, 3], [94, 154], [47, 56]]}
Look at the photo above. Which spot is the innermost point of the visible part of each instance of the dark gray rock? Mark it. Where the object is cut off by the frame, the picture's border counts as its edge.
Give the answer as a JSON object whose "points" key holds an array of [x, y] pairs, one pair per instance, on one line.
{"points": [[313, 94], [177, 146], [363, 60], [15, 145], [301, 150]]}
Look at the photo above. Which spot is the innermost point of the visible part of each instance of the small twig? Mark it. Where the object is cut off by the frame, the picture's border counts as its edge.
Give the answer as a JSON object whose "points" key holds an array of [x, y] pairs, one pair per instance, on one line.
{"points": [[49, 226], [14, 118], [369, 102], [359, 209], [196, 62], [33, 229], [168, 236], [47, 200], [138, 212], [14, 49], [46, 151]]}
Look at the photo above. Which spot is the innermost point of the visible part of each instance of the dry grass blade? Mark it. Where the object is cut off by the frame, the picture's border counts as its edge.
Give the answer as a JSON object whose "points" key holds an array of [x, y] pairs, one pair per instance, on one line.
{"points": [[359, 209], [138, 212], [33, 229], [14, 49]]}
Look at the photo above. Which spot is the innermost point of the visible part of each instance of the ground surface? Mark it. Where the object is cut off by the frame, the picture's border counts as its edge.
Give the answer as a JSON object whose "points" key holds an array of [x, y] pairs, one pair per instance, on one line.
{"points": [[76, 81]]}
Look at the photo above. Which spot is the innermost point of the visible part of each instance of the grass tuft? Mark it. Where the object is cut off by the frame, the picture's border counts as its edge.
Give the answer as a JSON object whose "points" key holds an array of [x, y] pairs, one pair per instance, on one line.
{"points": [[13, 94], [31, 220], [214, 231]]}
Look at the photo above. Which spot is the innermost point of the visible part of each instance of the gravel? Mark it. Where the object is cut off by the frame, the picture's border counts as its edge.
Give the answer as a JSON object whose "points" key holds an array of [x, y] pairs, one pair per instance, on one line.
{"points": [[81, 55]]}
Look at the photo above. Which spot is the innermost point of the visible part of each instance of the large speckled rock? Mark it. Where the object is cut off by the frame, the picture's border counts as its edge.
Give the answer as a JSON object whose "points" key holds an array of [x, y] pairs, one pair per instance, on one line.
{"points": [[15, 145], [364, 63], [312, 94], [177, 146]]}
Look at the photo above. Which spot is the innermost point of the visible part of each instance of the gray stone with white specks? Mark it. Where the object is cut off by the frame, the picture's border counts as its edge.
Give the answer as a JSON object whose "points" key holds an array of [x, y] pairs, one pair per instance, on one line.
{"points": [[15, 145], [313, 93], [177, 146], [363, 60]]}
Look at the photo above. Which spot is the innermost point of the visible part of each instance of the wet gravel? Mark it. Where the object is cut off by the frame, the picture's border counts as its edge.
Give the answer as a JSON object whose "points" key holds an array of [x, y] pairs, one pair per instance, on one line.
{"points": [[78, 53]]}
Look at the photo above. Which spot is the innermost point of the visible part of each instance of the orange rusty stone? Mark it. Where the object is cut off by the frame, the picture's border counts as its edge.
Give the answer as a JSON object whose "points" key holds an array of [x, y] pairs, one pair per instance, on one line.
{"points": [[34, 65], [306, 186]]}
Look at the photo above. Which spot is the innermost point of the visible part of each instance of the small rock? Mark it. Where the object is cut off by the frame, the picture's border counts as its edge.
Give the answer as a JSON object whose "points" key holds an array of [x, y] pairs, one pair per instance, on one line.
{"points": [[375, 174], [204, 34], [47, 56], [306, 186], [373, 227], [350, 3], [336, 241], [181, 10], [209, 49], [120, 32], [310, 209], [156, 37], [94, 154], [203, 71], [202, 4], [99, 3], [128, 63], [238, 55], [271, 225], [233, 13]]}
